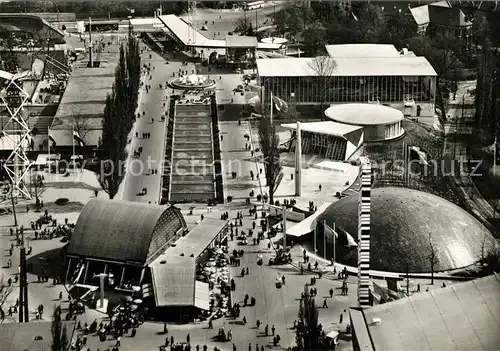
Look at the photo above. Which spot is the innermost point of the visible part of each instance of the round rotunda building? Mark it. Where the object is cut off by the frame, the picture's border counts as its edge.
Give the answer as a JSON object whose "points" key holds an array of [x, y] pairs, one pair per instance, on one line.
{"points": [[379, 122]]}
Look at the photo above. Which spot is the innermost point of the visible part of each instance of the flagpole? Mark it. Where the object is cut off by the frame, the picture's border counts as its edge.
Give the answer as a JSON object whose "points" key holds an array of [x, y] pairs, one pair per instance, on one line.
{"points": [[495, 157], [315, 224], [48, 136], [73, 138], [324, 242], [334, 239], [272, 103]]}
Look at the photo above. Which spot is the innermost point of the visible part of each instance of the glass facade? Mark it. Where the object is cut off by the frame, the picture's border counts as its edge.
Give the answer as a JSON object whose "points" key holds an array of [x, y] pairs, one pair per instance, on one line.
{"points": [[322, 145], [385, 89]]}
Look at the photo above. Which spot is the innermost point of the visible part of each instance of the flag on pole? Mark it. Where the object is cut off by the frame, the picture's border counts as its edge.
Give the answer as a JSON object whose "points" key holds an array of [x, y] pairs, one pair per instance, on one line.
{"points": [[31, 141], [417, 153], [51, 138], [78, 138], [279, 104], [350, 239]]}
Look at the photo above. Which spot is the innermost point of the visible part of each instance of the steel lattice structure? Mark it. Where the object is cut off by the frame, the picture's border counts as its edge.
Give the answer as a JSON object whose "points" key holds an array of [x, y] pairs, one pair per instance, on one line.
{"points": [[17, 165]]}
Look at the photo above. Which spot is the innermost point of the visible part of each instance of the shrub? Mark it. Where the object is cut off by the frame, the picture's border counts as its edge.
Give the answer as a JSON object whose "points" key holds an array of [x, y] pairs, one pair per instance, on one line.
{"points": [[61, 201]]}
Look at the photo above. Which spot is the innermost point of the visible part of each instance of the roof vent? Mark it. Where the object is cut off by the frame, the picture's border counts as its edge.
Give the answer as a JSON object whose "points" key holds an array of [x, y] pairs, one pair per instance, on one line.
{"points": [[163, 262], [376, 321]]}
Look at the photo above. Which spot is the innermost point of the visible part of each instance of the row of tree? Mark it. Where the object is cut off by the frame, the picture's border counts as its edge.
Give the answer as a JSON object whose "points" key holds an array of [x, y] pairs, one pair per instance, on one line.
{"points": [[59, 333], [119, 117], [8, 59], [96, 9]]}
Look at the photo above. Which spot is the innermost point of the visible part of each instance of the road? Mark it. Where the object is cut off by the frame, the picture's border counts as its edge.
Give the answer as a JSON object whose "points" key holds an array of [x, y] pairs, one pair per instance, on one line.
{"points": [[153, 105], [224, 19]]}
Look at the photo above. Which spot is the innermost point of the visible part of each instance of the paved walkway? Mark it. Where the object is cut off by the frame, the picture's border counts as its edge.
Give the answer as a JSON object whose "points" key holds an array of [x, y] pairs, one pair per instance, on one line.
{"points": [[154, 105]]}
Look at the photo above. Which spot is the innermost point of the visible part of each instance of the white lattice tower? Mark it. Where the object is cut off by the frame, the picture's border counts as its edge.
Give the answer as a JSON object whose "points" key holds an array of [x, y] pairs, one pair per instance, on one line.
{"points": [[17, 130]]}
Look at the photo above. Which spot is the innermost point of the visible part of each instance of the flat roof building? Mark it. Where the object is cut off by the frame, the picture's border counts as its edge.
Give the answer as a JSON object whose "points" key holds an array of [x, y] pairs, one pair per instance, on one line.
{"points": [[463, 316], [361, 73], [362, 50], [379, 122], [144, 249], [84, 108], [328, 139]]}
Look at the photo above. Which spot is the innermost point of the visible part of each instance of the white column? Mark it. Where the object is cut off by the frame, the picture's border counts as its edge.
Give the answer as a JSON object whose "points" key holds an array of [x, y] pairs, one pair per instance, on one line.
{"points": [[298, 162], [284, 228], [101, 287]]}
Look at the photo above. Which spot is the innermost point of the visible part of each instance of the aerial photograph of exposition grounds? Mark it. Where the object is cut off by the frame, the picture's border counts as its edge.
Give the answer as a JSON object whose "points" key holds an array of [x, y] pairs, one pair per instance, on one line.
{"points": [[261, 175]]}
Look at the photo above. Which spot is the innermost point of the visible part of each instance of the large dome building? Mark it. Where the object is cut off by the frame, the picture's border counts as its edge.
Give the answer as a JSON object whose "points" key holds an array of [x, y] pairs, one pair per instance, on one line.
{"points": [[403, 222]]}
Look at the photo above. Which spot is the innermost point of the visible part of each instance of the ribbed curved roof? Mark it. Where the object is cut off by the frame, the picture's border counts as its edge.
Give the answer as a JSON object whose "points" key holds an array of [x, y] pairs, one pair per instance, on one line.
{"points": [[119, 230], [401, 222]]}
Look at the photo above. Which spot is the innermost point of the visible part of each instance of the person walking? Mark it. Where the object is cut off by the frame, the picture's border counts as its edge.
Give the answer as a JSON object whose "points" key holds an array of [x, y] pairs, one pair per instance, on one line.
{"points": [[273, 330], [325, 304]]}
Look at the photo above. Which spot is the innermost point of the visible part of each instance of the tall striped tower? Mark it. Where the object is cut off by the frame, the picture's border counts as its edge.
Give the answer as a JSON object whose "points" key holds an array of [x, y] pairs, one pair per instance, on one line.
{"points": [[364, 209]]}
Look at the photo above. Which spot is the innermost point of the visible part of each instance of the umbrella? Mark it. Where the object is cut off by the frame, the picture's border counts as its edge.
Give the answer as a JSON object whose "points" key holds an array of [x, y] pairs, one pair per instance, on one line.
{"points": [[133, 307], [137, 301]]}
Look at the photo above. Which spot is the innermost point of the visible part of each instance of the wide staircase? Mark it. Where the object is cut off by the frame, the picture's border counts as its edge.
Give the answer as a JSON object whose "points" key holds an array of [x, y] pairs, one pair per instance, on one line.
{"points": [[192, 166], [43, 123]]}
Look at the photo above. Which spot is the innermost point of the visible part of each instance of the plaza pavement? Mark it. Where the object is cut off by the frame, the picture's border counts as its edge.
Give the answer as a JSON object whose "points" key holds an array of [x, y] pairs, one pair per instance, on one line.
{"points": [[137, 175], [225, 19], [273, 306]]}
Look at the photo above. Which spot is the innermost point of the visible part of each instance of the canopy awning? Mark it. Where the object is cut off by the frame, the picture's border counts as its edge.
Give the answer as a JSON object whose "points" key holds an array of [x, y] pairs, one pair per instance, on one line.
{"points": [[202, 296], [307, 225]]}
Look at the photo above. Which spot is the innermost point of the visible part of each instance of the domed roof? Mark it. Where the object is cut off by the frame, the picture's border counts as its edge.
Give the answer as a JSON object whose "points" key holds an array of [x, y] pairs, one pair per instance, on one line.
{"points": [[402, 223]]}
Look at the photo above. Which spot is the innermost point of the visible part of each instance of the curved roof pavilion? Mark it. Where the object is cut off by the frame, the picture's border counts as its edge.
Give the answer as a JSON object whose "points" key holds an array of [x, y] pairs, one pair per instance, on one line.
{"points": [[124, 231]]}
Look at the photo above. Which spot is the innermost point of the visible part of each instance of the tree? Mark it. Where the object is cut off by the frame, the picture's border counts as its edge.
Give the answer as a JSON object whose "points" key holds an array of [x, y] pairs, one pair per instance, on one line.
{"points": [[243, 25], [314, 39], [292, 115], [64, 338], [323, 68], [485, 98], [292, 18], [440, 50], [269, 143], [37, 188], [56, 330], [133, 62], [111, 147], [81, 124], [308, 331], [8, 57], [119, 117]]}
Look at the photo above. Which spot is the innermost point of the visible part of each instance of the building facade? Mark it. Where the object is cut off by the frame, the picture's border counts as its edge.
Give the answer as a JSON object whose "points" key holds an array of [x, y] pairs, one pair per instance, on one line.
{"points": [[400, 80], [120, 239]]}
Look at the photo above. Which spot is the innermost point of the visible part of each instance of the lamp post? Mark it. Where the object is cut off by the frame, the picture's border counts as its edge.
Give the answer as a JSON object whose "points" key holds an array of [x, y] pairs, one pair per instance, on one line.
{"points": [[283, 209], [101, 288]]}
